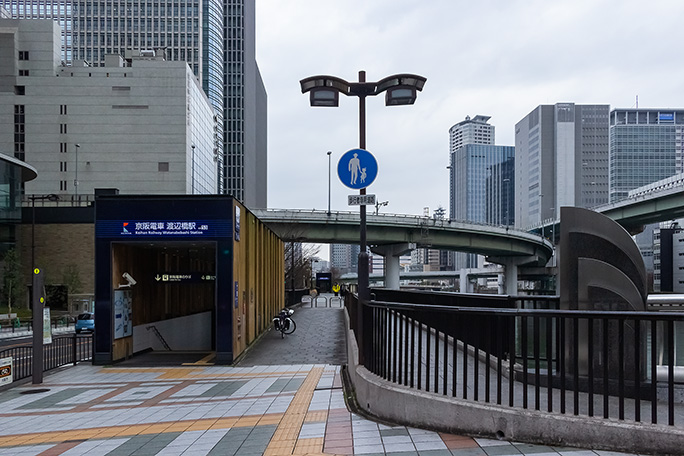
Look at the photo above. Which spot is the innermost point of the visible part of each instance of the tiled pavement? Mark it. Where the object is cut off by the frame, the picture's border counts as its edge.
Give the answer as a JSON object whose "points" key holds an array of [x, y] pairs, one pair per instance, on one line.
{"points": [[215, 410]]}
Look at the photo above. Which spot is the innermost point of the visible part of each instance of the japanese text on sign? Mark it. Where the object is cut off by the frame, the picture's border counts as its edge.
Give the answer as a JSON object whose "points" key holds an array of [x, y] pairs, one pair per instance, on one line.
{"points": [[361, 200]]}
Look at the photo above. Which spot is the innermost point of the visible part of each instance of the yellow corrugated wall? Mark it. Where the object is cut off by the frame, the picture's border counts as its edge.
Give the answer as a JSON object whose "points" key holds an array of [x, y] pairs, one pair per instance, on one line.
{"points": [[259, 270]]}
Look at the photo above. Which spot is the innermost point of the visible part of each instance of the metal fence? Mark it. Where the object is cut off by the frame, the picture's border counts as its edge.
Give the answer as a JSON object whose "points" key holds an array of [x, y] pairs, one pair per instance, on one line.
{"points": [[617, 365], [64, 349]]}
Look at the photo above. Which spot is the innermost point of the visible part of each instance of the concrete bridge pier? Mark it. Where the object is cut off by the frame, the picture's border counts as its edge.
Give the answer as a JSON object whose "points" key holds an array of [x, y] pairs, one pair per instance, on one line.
{"points": [[464, 285], [392, 252], [510, 278]]}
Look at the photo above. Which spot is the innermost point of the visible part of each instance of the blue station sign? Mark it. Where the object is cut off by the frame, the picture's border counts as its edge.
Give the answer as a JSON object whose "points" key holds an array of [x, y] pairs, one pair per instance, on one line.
{"points": [[163, 228], [357, 169]]}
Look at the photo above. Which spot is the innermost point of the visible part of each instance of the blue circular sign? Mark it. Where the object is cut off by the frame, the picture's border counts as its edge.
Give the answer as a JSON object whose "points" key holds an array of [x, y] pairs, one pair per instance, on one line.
{"points": [[357, 168]]}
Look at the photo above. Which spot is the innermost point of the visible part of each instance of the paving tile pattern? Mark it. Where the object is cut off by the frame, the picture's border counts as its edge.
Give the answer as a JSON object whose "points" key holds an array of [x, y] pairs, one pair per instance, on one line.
{"points": [[256, 408]]}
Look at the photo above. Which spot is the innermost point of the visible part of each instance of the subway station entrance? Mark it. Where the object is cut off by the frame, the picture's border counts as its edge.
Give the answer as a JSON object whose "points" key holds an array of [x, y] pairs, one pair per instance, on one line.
{"points": [[173, 275]]}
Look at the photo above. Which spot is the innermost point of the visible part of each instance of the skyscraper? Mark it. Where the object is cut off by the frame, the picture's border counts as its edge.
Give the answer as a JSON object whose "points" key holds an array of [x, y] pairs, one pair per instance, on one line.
{"points": [[216, 38], [468, 131], [561, 159], [481, 178], [471, 131], [645, 146]]}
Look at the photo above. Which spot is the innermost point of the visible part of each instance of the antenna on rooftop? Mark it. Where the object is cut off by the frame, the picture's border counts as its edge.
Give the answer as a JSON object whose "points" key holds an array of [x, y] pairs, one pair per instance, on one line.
{"points": [[637, 101]]}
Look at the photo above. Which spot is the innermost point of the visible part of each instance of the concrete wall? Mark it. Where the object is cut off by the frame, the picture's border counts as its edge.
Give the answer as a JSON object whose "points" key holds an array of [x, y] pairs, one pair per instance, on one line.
{"points": [[185, 333]]}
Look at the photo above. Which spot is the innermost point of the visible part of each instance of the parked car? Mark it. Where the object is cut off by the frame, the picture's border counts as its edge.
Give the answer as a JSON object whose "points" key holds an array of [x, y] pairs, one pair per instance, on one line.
{"points": [[85, 322]]}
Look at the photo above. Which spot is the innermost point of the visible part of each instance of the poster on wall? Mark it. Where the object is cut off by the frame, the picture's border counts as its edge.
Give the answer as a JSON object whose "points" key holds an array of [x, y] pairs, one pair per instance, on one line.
{"points": [[123, 309], [237, 223], [47, 329]]}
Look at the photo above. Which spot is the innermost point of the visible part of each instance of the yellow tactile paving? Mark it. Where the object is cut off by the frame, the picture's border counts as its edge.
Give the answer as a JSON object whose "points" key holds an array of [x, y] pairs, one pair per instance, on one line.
{"points": [[284, 439], [203, 362], [195, 374], [125, 431], [307, 446], [317, 417]]}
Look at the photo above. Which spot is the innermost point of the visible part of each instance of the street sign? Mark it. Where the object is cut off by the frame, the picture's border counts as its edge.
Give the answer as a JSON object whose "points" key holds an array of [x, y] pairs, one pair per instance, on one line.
{"points": [[361, 200], [185, 277], [357, 168], [5, 371]]}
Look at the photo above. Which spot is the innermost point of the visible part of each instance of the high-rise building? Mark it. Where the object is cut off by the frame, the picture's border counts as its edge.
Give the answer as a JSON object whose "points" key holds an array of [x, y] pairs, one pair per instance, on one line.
{"points": [[481, 178], [645, 146], [144, 126], [344, 257], [471, 131], [561, 159], [668, 248], [216, 38]]}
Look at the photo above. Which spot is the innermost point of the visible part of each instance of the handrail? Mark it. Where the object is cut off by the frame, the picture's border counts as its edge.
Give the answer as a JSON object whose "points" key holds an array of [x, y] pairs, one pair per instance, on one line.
{"points": [[159, 336], [529, 312]]}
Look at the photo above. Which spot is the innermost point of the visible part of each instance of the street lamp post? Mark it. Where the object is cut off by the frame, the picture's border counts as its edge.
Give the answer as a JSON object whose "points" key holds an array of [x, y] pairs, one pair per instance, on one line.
{"points": [[378, 205], [399, 89], [36, 304], [329, 160]]}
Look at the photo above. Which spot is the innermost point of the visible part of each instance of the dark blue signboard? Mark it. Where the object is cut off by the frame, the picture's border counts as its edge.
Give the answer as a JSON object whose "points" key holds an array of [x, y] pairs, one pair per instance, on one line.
{"points": [[163, 228], [357, 168]]}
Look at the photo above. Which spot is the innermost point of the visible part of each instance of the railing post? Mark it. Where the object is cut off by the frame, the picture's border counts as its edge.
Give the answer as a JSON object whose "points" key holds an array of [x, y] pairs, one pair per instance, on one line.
{"points": [[74, 347]]}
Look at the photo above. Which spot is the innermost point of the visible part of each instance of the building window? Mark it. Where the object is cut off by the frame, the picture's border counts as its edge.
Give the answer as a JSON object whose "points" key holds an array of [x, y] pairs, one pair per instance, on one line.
{"points": [[163, 167], [62, 109], [23, 72], [23, 55], [63, 185], [19, 131], [19, 90]]}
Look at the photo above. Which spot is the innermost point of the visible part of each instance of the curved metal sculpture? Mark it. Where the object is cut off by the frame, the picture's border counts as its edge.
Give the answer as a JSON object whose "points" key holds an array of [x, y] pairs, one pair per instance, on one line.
{"points": [[601, 267]]}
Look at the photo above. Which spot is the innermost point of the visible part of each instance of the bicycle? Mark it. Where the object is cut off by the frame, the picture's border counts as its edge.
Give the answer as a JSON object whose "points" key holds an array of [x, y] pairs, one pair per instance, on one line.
{"points": [[284, 323]]}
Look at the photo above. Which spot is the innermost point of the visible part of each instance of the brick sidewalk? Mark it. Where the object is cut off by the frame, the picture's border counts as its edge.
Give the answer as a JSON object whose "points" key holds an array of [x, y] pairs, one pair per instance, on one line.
{"points": [[289, 407]]}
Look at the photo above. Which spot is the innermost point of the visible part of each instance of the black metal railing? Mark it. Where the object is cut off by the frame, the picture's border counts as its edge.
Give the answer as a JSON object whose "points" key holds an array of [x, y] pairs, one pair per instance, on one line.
{"points": [[619, 365], [323, 301], [64, 349]]}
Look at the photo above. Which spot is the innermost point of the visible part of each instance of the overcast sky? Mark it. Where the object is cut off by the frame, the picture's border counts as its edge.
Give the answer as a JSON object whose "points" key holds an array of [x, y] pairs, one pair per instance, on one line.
{"points": [[499, 58]]}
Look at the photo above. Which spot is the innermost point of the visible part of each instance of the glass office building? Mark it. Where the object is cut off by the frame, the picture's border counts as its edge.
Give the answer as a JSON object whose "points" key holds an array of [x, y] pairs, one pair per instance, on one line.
{"points": [[13, 173], [483, 183], [645, 147]]}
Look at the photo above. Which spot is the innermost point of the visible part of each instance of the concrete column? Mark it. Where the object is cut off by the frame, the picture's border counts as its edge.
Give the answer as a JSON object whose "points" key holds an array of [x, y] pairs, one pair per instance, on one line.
{"points": [[392, 252], [510, 285], [464, 285]]}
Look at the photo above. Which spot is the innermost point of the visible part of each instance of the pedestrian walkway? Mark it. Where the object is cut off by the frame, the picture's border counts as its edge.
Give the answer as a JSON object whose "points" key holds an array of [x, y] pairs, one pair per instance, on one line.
{"points": [[253, 408]]}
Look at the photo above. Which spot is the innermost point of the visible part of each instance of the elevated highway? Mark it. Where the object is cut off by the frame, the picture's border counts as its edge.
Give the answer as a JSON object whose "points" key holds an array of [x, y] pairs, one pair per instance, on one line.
{"points": [[387, 229], [391, 235], [633, 213]]}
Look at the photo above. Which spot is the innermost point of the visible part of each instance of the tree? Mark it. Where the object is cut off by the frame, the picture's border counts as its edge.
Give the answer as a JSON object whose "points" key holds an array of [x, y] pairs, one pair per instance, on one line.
{"points": [[11, 279], [71, 277], [298, 257]]}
